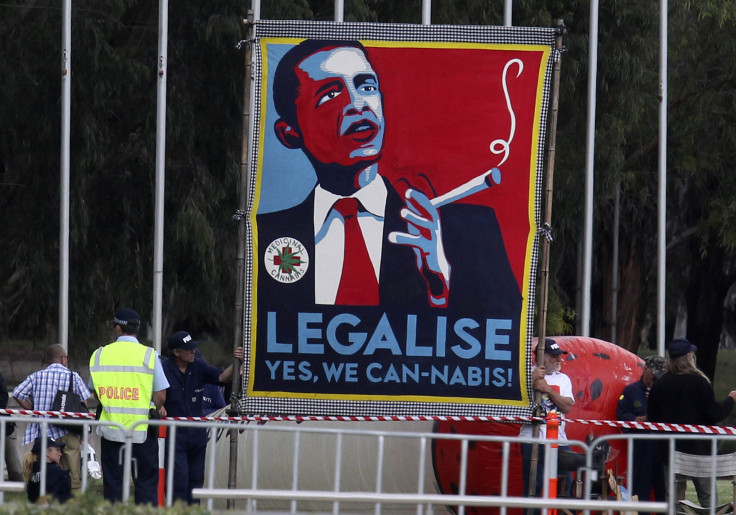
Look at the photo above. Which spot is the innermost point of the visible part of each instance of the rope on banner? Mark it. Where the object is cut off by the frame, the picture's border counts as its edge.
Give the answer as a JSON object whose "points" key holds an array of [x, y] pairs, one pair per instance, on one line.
{"points": [[649, 426]]}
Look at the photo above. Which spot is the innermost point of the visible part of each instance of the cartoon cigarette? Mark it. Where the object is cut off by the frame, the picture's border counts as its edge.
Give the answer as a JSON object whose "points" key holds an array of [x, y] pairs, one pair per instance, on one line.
{"points": [[486, 180]]}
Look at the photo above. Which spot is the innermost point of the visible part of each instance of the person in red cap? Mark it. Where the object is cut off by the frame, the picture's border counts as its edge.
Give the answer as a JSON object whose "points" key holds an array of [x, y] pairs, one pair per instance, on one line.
{"points": [[684, 395], [187, 376]]}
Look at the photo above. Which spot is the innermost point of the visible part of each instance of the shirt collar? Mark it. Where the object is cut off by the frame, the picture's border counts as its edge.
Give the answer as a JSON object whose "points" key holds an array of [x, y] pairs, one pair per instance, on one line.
{"points": [[372, 197], [127, 338]]}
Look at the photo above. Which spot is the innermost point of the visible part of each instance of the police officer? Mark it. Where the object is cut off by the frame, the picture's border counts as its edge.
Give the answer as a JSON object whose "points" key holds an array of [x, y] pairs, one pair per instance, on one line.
{"points": [[127, 378], [58, 481], [187, 376], [632, 406]]}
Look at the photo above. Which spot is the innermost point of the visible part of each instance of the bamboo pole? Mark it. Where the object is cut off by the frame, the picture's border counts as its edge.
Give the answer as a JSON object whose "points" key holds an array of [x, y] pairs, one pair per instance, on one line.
{"points": [[241, 217], [545, 238]]}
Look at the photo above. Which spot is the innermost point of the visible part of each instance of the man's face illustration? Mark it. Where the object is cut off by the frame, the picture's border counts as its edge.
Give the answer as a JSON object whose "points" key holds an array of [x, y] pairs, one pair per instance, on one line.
{"points": [[338, 107]]}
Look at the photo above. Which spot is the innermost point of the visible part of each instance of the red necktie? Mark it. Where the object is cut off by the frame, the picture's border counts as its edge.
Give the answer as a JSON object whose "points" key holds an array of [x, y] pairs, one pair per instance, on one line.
{"points": [[358, 285]]}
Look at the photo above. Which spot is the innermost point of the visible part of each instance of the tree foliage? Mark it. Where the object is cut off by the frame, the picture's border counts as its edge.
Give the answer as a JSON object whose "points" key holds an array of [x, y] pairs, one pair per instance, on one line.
{"points": [[113, 149]]}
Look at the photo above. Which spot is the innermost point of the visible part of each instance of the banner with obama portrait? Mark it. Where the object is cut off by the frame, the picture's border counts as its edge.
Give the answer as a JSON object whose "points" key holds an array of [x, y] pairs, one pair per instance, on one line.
{"points": [[393, 218]]}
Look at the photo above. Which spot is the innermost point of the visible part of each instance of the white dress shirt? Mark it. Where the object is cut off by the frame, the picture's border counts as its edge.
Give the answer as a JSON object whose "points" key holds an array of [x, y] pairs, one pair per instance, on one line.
{"points": [[329, 235]]}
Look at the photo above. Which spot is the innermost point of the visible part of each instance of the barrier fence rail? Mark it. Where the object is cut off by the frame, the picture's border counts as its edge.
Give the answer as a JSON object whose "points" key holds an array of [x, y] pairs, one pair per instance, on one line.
{"points": [[258, 490]]}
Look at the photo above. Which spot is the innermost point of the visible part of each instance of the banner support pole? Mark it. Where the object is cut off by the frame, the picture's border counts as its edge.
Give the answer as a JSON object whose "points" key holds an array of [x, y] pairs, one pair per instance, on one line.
{"points": [[545, 241], [241, 218]]}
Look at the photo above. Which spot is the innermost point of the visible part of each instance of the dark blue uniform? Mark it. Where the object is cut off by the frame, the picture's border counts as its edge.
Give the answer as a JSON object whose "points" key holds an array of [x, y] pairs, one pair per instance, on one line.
{"points": [[184, 399], [58, 482], [212, 399], [633, 402], [648, 465]]}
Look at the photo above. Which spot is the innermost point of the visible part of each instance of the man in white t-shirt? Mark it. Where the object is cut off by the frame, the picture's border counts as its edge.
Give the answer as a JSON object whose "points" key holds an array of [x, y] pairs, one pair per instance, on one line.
{"points": [[557, 395]]}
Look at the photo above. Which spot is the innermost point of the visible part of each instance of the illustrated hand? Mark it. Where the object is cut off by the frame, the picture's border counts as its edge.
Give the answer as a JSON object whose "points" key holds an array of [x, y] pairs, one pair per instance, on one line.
{"points": [[424, 235]]}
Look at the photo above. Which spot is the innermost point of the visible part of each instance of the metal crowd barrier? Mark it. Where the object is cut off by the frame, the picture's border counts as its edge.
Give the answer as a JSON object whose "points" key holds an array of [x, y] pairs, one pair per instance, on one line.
{"points": [[421, 500], [256, 493]]}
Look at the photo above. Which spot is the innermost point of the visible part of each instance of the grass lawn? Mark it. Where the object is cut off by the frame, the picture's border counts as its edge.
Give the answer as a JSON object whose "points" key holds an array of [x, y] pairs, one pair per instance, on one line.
{"points": [[723, 487]]}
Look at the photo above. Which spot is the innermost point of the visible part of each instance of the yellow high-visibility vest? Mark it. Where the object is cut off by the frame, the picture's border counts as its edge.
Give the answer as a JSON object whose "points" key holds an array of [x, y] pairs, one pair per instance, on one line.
{"points": [[122, 374]]}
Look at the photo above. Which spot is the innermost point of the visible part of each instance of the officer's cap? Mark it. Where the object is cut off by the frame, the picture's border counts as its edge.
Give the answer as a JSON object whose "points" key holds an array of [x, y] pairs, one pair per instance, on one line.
{"points": [[49, 443], [181, 340], [126, 316]]}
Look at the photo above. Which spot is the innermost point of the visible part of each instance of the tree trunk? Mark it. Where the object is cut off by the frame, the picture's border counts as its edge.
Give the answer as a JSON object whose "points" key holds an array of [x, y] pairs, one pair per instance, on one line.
{"points": [[631, 293], [705, 294]]}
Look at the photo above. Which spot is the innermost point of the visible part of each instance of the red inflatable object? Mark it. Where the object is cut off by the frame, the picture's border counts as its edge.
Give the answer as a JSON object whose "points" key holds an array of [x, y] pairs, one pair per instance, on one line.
{"points": [[599, 371]]}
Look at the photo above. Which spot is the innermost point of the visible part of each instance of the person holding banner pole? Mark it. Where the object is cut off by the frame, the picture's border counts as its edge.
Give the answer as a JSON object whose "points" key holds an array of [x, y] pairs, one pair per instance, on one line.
{"points": [[557, 395], [187, 376]]}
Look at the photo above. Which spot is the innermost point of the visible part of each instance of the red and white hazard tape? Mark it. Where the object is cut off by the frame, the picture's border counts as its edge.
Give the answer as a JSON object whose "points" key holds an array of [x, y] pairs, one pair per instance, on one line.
{"points": [[57, 414], [649, 426]]}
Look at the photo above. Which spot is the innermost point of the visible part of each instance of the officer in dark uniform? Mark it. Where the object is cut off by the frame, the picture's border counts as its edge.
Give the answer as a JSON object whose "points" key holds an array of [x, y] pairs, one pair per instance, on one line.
{"points": [[632, 406], [58, 481], [187, 376]]}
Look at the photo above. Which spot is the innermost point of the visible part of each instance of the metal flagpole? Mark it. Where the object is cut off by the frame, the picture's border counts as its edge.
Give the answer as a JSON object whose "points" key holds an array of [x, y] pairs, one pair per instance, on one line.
{"points": [[507, 4], [339, 10], [66, 90], [158, 238], [426, 12], [662, 196], [546, 239], [589, 171]]}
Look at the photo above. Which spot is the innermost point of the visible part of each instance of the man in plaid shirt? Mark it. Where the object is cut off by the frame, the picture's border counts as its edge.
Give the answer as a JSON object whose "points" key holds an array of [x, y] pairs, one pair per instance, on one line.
{"points": [[37, 392]]}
